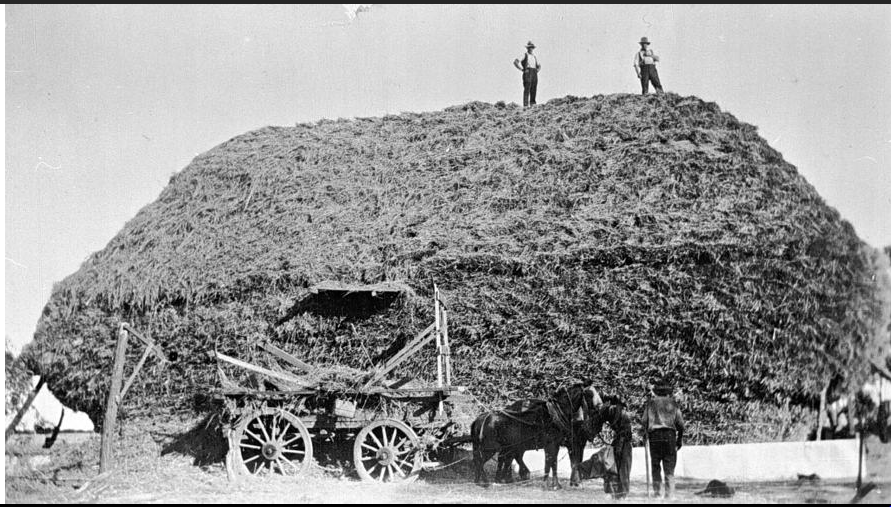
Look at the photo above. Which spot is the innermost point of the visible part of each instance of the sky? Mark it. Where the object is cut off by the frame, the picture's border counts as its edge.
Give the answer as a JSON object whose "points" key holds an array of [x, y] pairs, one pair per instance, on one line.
{"points": [[105, 103]]}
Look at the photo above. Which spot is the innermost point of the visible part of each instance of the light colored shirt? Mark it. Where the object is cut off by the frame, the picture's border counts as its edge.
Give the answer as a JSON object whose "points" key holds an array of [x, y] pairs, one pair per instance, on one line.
{"points": [[531, 61], [645, 57], [662, 412]]}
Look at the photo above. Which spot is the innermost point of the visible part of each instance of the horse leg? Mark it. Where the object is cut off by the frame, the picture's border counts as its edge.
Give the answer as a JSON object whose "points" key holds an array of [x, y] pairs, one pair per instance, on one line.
{"points": [[551, 463], [505, 468], [499, 470], [574, 460], [509, 467], [524, 470], [480, 457]]}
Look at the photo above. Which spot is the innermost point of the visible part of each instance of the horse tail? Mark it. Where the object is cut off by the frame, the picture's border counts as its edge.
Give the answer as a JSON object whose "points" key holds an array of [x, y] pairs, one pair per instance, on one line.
{"points": [[477, 429]]}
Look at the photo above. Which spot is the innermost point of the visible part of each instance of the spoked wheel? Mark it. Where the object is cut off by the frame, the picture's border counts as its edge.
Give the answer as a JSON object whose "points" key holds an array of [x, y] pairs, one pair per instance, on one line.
{"points": [[271, 441], [387, 451]]}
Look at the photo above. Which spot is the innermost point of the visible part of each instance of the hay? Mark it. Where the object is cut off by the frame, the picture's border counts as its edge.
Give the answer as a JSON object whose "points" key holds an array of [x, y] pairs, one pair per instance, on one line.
{"points": [[18, 383], [614, 237]]}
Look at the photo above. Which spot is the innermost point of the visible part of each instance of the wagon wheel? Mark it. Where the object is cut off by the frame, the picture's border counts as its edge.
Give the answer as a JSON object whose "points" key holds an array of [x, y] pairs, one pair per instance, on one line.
{"points": [[387, 451], [271, 441]]}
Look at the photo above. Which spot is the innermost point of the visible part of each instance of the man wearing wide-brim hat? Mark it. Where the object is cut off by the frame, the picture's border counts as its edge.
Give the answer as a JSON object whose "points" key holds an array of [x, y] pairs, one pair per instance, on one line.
{"points": [[645, 66], [528, 64], [662, 425]]}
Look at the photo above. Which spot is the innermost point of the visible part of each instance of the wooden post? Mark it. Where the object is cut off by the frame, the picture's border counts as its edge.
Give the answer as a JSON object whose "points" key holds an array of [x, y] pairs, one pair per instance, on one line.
{"points": [[18, 417], [438, 337], [438, 332], [106, 459], [446, 350]]}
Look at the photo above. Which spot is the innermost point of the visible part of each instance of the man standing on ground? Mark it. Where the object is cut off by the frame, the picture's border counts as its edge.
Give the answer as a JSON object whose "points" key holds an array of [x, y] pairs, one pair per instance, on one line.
{"points": [[529, 65], [620, 423], [645, 66], [663, 426]]}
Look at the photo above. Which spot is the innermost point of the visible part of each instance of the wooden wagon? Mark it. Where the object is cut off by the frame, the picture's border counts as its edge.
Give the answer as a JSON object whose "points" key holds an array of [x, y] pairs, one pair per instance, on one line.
{"points": [[394, 428]]}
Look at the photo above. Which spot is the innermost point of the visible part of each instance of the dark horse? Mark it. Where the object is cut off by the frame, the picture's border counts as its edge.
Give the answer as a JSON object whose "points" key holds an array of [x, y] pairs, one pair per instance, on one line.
{"points": [[585, 428], [530, 424]]}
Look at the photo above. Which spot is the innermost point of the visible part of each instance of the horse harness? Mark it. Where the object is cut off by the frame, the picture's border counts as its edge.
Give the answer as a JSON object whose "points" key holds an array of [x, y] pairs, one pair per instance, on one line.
{"points": [[558, 416]]}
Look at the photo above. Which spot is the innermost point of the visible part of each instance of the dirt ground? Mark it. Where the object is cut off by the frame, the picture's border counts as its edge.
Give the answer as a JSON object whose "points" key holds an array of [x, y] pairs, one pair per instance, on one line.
{"points": [[147, 474]]}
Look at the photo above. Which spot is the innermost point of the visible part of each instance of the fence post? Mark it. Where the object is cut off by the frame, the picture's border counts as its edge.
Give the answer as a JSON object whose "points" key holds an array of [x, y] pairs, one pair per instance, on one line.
{"points": [[106, 458]]}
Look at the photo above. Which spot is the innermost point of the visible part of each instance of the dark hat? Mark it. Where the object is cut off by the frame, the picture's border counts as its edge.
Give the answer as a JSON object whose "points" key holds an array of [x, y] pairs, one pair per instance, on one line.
{"points": [[662, 387], [644, 40], [530, 44]]}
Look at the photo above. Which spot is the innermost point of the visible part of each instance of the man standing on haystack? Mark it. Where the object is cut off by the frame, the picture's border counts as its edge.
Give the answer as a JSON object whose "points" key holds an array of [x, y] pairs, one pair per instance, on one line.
{"points": [[662, 426], [528, 64], [645, 66]]}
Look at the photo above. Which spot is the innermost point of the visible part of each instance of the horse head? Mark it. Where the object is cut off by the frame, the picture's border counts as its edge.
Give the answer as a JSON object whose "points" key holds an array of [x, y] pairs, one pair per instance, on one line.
{"points": [[580, 399]]}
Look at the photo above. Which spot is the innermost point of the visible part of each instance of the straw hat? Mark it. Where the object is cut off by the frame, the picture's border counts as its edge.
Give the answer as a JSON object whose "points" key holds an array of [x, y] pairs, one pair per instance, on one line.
{"points": [[530, 44], [644, 40]]}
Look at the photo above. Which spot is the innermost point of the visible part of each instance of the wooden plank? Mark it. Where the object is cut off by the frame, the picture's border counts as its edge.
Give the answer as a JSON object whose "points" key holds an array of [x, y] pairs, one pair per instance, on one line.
{"points": [[373, 390], [28, 401], [263, 371], [411, 347], [288, 358], [145, 354], [415, 345], [334, 286], [106, 458], [399, 383]]}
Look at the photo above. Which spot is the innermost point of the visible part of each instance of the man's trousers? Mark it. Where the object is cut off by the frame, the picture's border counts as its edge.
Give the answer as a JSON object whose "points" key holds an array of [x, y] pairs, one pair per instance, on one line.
{"points": [[647, 74], [530, 83]]}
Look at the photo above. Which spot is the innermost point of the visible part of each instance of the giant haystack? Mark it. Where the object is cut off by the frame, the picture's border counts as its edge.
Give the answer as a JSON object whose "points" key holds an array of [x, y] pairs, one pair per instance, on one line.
{"points": [[612, 237]]}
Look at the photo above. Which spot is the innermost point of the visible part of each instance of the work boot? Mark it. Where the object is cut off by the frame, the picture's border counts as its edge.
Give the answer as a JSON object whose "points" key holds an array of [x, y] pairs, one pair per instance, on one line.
{"points": [[657, 489], [669, 481]]}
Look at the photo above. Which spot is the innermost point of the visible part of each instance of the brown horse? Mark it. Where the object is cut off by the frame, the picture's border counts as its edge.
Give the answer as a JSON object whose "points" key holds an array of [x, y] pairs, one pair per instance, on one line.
{"points": [[530, 424]]}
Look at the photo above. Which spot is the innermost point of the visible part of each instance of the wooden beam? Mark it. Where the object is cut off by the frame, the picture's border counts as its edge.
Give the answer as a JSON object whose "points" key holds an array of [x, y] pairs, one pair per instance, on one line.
{"points": [[263, 371], [404, 354], [373, 390], [28, 401], [411, 347], [288, 358], [148, 341], [399, 383], [415, 345], [106, 457], [145, 354]]}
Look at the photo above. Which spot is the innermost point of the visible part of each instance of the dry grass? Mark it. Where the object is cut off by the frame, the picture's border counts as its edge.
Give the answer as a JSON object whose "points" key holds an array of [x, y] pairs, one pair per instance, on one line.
{"points": [[614, 237]]}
